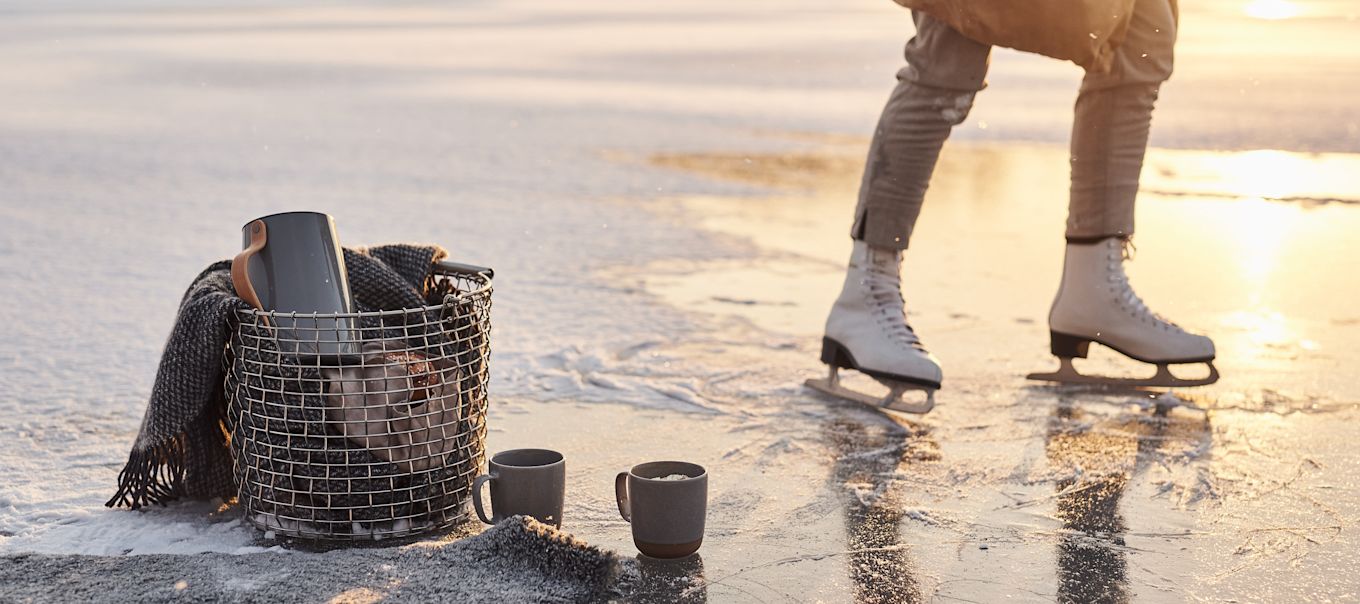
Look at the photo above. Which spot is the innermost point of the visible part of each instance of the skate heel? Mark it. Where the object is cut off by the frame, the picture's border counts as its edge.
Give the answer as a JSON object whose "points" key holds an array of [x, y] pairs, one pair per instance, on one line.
{"points": [[835, 355], [1065, 346]]}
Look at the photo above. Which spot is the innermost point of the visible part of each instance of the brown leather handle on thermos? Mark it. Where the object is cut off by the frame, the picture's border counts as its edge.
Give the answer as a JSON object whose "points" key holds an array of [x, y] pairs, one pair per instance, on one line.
{"points": [[240, 276]]}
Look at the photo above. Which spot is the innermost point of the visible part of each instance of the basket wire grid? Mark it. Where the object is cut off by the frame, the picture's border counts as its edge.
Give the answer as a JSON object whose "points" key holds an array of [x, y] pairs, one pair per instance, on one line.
{"points": [[380, 442]]}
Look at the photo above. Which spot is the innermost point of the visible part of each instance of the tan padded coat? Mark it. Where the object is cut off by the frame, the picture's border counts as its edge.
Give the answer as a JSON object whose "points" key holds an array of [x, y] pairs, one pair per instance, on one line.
{"points": [[1086, 32]]}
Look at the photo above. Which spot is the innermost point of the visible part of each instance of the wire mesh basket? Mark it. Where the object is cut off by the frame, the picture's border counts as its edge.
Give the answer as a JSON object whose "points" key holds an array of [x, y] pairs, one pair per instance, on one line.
{"points": [[380, 441]]}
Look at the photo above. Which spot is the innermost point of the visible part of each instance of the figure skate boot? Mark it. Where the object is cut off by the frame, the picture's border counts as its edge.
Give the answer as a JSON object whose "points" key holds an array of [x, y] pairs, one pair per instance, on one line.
{"points": [[1095, 303], [867, 331]]}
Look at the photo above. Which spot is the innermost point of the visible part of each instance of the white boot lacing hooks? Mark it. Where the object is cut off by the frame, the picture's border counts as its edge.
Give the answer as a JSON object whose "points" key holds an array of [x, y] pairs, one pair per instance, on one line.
{"points": [[885, 293], [1122, 290]]}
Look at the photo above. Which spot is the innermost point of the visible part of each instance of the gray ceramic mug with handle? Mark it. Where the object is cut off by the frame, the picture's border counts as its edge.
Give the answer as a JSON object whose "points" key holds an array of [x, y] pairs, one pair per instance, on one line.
{"points": [[666, 502], [529, 482]]}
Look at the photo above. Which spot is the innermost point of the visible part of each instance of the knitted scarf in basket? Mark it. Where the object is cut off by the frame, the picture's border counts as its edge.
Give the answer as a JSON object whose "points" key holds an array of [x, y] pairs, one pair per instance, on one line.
{"points": [[181, 448]]}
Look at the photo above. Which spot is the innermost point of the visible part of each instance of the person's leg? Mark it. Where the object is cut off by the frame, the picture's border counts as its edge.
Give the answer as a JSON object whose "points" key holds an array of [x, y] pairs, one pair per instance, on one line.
{"points": [[1095, 302], [867, 328], [1112, 122], [934, 93]]}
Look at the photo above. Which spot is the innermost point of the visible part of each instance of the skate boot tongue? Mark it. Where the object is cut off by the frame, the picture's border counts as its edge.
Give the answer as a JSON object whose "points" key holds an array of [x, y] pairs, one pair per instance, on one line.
{"points": [[884, 261], [883, 294], [1121, 250]]}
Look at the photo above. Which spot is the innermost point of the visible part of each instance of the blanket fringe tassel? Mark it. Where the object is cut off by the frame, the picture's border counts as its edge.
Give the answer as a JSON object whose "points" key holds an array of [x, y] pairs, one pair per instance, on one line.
{"points": [[152, 475]]}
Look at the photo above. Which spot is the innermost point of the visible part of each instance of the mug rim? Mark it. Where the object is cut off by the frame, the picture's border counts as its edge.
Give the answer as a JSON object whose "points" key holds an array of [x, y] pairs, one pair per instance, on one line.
{"points": [[702, 471], [560, 458]]}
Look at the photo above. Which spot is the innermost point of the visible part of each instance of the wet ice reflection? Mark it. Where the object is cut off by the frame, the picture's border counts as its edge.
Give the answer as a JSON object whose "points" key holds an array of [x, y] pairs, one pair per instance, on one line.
{"points": [[1091, 564], [868, 457], [1099, 457], [1076, 494], [679, 581]]}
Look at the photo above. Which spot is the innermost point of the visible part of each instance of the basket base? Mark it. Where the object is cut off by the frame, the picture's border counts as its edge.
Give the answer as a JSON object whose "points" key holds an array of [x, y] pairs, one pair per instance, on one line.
{"points": [[275, 526]]}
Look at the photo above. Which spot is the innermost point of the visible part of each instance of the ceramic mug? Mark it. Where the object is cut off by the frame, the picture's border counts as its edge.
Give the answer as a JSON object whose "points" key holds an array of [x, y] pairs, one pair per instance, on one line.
{"points": [[666, 502], [292, 262], [529, 482]]}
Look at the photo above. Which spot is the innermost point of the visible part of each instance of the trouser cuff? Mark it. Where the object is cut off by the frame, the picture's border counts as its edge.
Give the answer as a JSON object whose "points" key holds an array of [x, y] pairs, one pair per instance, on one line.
{"points": [[883, 227]]}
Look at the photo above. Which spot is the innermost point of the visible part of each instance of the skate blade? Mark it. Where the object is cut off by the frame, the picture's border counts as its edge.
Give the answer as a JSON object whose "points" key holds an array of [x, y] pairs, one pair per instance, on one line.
{"points": [[1067, 374], [892, 402]]}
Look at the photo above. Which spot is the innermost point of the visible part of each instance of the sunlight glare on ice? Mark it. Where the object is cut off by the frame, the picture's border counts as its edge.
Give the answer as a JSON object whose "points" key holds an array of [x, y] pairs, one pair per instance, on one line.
{"points": [[1265, 173], [1271, 9]]}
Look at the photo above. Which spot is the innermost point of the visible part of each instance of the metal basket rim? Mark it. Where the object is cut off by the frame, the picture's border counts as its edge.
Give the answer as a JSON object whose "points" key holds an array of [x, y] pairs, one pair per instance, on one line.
{"points": [[483, 289]]}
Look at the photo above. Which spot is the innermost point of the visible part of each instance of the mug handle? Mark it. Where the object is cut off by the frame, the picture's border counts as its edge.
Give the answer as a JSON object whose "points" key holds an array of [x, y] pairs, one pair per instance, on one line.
{"points": [[477, 495], [240, 275], [621, 496]]}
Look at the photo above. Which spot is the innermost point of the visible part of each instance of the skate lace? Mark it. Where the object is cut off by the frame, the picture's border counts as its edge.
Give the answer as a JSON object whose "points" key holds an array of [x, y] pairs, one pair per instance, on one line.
{"points": [[885, 292], [1123, 290]]}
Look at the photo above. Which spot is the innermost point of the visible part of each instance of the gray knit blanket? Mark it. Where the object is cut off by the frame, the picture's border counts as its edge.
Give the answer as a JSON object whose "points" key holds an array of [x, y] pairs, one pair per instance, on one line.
{"points": [[181, 450], [518, 560]]}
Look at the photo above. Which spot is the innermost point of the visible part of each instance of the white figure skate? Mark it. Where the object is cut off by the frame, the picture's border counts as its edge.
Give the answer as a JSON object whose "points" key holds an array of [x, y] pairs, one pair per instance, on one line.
{"points": [[1096, 304], [867, 331]]}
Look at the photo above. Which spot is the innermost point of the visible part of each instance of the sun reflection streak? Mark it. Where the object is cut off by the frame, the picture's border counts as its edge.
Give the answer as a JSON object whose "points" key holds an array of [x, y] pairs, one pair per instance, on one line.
{"points": [[1265, 173], [1261, 229], [1271, 9]]}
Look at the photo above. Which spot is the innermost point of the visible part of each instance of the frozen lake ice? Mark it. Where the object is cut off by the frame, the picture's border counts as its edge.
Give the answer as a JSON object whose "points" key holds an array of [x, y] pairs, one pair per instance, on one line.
{"points": [[664, 192]]}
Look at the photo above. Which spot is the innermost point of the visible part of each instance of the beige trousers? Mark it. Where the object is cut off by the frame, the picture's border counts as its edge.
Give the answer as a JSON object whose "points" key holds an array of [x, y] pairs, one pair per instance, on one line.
{"points": [[935, 93]]}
